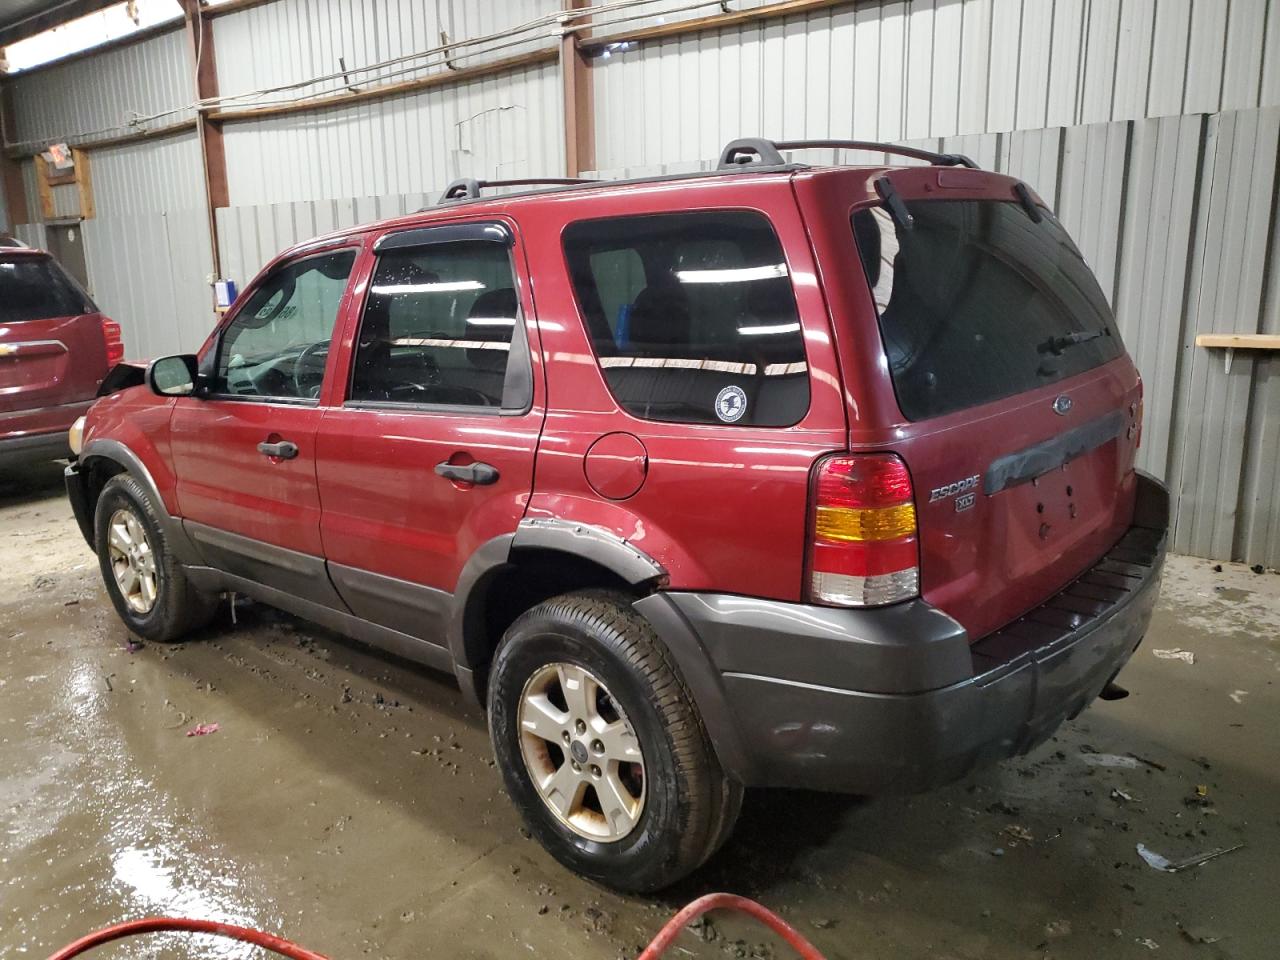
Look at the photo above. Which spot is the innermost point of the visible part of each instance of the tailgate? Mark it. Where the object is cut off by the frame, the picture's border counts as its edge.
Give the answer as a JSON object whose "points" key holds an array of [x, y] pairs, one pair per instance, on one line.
{"points": [[1022, 407], [52, 348]]}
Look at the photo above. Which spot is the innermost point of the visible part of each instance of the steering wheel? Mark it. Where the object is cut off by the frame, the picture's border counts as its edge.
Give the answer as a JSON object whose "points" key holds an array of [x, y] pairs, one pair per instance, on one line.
{"points": [[305, 384]]}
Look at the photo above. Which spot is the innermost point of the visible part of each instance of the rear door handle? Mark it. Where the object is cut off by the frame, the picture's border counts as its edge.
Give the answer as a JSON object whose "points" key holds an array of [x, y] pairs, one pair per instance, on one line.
{"points": [[481, 474], [285, 449]]}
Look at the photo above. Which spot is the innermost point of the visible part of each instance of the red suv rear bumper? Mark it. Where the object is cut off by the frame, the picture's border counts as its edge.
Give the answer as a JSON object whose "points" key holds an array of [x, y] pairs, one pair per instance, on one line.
{"points": [[28, 436], [896, 699]]}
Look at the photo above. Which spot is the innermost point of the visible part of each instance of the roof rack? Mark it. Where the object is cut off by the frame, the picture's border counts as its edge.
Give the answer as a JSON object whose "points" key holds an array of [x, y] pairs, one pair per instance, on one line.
{"points": [[468, 188], [768, 153]]}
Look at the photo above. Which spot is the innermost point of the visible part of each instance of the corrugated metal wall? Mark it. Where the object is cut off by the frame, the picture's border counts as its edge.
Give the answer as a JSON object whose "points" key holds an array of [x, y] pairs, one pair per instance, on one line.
{"points": [[148, 247], [101, 94], [934, 68], [499, 126]]}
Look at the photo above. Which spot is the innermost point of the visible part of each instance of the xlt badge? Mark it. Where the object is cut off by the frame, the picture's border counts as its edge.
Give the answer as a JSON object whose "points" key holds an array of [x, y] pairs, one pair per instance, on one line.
{"points": [[954, 489]]}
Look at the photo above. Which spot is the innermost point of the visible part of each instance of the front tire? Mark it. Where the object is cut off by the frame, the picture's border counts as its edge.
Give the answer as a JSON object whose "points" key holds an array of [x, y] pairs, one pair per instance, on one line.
{"points": [[601, 746], [145, 582]]}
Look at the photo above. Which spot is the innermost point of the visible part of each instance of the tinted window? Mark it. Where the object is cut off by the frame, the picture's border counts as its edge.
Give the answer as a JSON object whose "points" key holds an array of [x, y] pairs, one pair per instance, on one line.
{"points": [[35, 288], [278, 343], [437, 326], [692, 317], [979, 302]]}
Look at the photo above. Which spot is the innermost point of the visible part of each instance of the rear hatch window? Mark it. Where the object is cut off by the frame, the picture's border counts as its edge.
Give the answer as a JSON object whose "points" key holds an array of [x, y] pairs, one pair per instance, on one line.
{"points": [[35, 288], [692, 316], [977, 302]]}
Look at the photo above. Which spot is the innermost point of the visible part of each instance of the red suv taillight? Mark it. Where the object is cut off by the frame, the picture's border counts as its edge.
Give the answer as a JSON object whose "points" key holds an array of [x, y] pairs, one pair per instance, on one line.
{"points": [[862, 539], [114, 342]]}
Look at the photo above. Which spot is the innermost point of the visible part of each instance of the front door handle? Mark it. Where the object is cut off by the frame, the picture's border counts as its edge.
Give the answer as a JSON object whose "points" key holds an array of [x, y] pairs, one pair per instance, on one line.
{"points": [[481, 474], [284, 449]]}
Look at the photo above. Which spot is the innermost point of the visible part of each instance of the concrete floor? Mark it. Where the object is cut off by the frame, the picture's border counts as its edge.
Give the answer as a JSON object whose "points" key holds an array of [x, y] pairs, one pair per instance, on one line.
{"points": [[349, 801]]}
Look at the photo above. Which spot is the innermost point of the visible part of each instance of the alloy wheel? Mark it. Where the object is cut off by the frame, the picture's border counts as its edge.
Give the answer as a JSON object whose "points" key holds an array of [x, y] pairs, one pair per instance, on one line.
{"points": [[133, 562], [581, 752]]}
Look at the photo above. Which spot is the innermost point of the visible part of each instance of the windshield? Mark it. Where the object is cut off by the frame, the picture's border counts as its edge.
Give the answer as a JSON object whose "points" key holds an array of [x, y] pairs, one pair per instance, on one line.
{"points": [[977, 301], [35, 288]]}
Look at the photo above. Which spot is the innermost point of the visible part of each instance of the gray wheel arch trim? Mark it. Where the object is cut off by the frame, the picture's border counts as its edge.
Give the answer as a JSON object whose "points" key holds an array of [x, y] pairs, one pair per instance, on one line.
{"points": [[591, 543], [175, 536]]}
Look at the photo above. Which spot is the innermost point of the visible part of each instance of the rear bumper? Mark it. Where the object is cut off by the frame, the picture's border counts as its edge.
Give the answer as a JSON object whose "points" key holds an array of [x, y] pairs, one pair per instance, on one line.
{"points": [[28, 436], [895, 699], [32, 448]]}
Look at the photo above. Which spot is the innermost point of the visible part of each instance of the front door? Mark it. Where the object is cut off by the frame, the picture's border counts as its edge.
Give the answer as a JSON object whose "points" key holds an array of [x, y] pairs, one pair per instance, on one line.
{"points": [[431, 454], [244, 450]]}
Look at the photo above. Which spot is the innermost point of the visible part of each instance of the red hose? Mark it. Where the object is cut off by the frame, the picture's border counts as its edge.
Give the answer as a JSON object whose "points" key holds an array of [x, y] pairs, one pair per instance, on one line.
{"points": [[164, 924], [728, 901], [658, 946]]}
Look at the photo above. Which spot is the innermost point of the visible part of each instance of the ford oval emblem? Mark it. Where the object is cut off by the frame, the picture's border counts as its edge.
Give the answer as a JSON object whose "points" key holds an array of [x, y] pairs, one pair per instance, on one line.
{"points": [[1062, 405]]}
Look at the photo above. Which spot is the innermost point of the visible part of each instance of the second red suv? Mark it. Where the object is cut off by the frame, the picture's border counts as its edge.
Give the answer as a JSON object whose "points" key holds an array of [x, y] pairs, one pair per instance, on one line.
{"points": [[55, 351], [777, 475]]}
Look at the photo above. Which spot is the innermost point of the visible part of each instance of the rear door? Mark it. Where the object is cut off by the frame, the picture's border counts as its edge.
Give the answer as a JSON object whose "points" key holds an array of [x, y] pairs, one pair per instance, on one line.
{"points": [[1005, 387], [52, 348], [431, 451]]}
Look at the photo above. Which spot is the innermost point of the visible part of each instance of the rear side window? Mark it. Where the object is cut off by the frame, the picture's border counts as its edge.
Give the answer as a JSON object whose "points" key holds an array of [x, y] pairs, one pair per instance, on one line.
{"points": [[692, 316], [35, 288], [438, 327], [979, 302]]}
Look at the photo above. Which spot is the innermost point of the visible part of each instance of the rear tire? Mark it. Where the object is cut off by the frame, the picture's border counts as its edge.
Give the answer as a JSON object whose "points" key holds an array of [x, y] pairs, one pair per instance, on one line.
{"points": [[145, 582], [664, 805]]}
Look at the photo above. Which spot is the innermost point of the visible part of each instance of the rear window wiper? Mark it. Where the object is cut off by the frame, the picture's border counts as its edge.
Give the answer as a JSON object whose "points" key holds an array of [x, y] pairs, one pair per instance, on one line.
{"points": [[1055, 345]]}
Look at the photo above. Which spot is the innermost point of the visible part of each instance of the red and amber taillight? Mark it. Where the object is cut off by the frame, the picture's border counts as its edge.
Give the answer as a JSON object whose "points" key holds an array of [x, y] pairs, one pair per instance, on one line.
{"points": [[114, 342], [863, 549]]}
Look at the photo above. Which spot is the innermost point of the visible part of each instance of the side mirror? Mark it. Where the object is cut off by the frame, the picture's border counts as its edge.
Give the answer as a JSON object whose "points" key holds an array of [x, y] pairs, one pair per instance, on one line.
{"points": [[175, 376]]}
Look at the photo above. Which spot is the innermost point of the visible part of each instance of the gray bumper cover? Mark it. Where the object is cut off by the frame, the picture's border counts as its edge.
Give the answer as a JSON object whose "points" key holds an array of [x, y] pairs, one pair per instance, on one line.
{"points": [[896, 699]]}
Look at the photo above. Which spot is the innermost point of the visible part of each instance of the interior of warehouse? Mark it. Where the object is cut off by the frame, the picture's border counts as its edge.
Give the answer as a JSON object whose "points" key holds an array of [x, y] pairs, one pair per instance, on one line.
{"points": [[190, 142]]}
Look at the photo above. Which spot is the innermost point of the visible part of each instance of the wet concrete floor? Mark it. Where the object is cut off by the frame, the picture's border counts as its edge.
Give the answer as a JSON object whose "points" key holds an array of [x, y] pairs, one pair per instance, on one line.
{"points": [[349, 801]]}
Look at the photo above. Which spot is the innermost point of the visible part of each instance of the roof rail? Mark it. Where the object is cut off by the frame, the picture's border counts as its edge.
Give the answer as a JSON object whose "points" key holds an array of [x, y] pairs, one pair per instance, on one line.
{"points": [[768, 153], [468, 188]]}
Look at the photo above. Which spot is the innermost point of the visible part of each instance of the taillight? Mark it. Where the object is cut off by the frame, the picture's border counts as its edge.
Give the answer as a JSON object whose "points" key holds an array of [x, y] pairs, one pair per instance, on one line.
{"points": [[114, 342], [863, 550]]}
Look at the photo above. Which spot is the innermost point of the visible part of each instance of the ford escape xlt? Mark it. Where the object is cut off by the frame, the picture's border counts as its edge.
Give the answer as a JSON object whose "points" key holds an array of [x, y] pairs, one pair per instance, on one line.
{"points": [[777, 475], [55, 351]]}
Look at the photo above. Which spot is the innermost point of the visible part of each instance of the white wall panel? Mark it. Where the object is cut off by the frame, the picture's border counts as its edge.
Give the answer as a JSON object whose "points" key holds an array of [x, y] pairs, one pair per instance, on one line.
{"points": [[293, 40], [98, 95], [504, 126], [155, 175]]}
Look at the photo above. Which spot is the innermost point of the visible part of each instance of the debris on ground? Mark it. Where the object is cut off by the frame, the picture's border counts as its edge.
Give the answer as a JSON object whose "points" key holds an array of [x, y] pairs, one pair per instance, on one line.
{"points": [[1110, 760], [1122, 796], [1239, 695], [1258, 568], [202, 730], [1198, 934], [1146, 942], [824, 923], [703, 929], [1016, 832], [1157, 861], [1056, 929], [1177, 653]]}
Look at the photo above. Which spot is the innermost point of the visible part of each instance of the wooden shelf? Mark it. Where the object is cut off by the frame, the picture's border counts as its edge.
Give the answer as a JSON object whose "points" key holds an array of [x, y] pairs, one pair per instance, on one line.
{"points": [[1231, 342]]}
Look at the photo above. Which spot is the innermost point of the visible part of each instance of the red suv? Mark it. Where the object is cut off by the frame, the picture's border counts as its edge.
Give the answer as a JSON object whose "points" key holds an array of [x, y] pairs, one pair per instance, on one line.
{"points": [[55, 352], [774, 475]]}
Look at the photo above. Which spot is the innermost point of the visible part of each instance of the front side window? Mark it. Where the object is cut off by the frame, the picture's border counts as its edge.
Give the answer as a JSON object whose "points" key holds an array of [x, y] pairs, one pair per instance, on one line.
{"points": [[438, 326], [692, 316], [36, 288], [277, 344], [977, 301]]}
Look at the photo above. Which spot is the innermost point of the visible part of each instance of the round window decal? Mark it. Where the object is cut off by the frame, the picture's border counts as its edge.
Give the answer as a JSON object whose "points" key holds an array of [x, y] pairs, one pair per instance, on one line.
{"points": [[731, 404]]}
